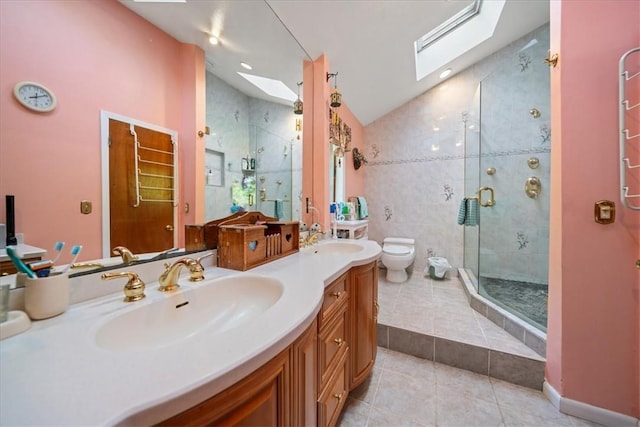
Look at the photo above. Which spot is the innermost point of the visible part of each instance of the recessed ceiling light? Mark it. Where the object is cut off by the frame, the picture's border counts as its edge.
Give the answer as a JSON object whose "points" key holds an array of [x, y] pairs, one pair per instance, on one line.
{"points": [[214, 40], [271, 87], [445, 73], [246, 66]]}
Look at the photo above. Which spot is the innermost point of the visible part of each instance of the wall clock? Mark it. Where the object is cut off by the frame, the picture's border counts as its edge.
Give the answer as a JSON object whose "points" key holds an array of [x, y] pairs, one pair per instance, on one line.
{"points": [[35, 97]]}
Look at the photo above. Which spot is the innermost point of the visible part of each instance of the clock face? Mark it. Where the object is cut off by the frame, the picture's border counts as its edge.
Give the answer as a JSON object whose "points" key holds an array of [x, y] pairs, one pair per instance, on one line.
{"points": [[35, 96]]}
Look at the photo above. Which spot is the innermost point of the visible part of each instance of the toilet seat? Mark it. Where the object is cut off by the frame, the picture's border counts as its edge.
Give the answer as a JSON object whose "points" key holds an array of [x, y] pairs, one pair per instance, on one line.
{"points": [[396, 250]]}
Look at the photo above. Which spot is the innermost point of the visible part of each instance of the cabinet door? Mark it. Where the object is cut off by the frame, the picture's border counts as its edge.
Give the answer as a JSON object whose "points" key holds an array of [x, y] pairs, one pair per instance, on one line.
{"points": [[261, 399], [363, 319], [305, 374]]}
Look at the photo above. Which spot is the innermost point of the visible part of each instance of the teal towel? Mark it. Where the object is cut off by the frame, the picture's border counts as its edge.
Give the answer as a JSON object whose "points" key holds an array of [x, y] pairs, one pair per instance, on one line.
{"points": [[279, 209], [473, 214], [468, 213], [362, 203], [462, 211]]}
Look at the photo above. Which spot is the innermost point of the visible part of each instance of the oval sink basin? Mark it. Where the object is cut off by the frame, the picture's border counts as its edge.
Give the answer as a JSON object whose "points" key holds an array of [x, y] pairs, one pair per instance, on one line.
{"points": [[336, 248], [218, 306]]}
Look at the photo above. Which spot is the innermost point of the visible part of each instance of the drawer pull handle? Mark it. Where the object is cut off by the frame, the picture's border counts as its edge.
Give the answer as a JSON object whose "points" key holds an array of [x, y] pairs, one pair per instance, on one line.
{"points": [[338, 396], [338, 341], [336, 294]]}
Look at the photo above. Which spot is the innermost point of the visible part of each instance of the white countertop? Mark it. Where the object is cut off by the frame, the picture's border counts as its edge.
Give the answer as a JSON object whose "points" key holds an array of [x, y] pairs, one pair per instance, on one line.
{"points": [[55, 374]]}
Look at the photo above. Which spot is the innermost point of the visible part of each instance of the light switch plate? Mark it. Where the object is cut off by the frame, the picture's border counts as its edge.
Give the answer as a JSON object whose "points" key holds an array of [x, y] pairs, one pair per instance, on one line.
{"points": [[85, 207], [605, 212]]}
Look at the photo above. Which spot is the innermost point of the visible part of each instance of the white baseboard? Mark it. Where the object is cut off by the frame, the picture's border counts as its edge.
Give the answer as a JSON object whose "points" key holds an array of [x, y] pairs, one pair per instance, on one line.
{"points": [[586, 411]]}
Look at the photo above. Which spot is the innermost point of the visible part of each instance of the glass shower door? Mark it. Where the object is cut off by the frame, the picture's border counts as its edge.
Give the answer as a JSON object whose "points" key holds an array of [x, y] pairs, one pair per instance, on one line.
{"points": [[514, 161]]}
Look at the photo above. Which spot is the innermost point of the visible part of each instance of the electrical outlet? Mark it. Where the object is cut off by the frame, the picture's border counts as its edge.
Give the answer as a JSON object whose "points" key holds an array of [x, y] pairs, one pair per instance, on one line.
{"points": [[86, 207], [605, 212]]}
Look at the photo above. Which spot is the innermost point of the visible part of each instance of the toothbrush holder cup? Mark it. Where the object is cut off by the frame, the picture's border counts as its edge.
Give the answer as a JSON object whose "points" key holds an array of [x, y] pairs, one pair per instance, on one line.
{"points": [[46, 297]]}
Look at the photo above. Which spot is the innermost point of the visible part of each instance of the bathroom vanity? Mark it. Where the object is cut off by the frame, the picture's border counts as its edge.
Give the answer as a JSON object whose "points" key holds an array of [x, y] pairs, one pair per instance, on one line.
{"points": [[293, 362]]}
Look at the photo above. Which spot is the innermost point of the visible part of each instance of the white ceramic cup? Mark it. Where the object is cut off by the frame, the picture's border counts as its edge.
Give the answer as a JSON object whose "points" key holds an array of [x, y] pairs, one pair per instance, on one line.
{"points": [[46, 297]]}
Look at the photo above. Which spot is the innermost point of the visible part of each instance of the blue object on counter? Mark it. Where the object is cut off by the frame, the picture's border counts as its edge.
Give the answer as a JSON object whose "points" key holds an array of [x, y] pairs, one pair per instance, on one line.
{"points": [[20, 265], [44, 272]]}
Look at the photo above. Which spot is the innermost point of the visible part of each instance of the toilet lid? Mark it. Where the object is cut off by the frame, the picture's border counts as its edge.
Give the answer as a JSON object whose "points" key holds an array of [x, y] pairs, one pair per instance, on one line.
{"points": [[396, 250]]}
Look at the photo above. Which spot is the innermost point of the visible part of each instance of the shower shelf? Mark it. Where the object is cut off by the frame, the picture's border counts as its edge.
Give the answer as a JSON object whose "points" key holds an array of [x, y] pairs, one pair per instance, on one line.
{"points": [[631, 107]]}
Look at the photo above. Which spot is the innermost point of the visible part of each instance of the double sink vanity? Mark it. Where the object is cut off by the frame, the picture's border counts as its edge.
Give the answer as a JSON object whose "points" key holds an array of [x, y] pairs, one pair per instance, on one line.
{"points": [[281, 344]]}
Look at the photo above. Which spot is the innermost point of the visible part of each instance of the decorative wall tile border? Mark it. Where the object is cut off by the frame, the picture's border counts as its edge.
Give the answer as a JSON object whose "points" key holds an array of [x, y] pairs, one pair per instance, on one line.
{"points": [[501, 153]]}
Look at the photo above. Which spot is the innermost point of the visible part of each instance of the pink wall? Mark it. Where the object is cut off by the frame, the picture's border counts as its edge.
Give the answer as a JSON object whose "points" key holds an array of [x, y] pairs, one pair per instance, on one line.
{"points": [[94, 56], [316, 149], [594, 319]]}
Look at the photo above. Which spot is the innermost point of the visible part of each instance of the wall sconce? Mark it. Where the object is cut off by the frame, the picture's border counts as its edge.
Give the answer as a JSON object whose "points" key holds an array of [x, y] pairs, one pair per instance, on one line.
{"points": [[358, 159], [297, 105], [336, 97]]}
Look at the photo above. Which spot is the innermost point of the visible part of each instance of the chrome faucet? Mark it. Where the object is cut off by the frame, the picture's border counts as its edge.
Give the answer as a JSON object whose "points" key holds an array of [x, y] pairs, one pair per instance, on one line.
{"points": [[127, 256]]}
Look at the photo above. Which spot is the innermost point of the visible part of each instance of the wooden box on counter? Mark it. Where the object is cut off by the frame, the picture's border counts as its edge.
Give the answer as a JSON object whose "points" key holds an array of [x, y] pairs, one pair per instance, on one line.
{"points": [[247, 239]]}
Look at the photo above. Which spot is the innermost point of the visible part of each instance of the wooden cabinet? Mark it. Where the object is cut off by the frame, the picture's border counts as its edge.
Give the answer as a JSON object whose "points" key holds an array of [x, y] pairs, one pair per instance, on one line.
{"points": [[305, 377], [363, 321], [334, 395], [260, 399], [333, 351]]}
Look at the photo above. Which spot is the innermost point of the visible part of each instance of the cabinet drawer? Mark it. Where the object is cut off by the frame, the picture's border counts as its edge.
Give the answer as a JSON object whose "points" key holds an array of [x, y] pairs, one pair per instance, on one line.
{"points": [[334, 396], [332, 344], [334, 296]]}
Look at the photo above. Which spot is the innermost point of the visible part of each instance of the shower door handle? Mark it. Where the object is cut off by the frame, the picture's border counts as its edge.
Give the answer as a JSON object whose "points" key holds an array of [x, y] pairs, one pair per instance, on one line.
{"points": [[491, 200]]}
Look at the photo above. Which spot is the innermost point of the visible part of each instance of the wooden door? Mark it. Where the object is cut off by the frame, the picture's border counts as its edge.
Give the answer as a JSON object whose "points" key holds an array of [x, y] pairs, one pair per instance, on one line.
{"points": [[144, 223]]}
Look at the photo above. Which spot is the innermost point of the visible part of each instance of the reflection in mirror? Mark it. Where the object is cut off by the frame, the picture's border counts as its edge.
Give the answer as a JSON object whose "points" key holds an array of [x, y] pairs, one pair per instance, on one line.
{"points": [[336, 174], [263, 154], [270, 135]]}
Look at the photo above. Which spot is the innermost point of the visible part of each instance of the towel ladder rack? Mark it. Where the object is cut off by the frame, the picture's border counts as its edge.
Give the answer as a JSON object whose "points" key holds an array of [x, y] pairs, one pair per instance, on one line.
{"points": [[631, 108]]}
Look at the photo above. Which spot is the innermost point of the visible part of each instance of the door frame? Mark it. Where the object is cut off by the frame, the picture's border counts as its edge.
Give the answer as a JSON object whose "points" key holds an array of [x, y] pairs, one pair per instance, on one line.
{"points": [[105, 116]]}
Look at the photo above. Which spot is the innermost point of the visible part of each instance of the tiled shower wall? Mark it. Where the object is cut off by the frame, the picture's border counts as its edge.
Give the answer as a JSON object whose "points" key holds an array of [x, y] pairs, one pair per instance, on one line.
{"points": [[514, 234], [240, 126], [415, 177]]}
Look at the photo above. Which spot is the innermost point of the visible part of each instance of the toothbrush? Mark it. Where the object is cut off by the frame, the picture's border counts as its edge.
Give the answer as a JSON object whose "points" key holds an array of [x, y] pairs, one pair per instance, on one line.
{"points": [[20, 265], [58, 248], [74, 251]]}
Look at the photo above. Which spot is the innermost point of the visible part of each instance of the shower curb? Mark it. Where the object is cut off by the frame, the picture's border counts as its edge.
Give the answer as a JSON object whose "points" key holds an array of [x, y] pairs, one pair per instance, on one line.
{"points": [[515, 369], [533, 338]]}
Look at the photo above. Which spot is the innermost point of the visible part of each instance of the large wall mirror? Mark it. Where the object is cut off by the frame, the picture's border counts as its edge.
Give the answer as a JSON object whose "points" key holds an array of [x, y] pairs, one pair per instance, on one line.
{"points": [[253, 150]]}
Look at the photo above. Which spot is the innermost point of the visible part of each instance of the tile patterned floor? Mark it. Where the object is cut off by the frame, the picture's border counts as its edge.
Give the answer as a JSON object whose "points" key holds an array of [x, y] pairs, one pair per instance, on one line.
{"points": [[440, 308], [407, 391]]}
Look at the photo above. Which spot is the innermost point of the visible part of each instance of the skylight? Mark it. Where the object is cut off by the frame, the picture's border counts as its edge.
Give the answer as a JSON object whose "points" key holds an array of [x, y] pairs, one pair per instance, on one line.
{"points": [[271, 87], [456, 36], [450, 24]]}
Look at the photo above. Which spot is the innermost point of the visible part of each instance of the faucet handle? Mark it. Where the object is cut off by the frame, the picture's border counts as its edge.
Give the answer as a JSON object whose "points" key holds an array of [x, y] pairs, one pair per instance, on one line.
{"points": [[133, 290], [196, 270]]}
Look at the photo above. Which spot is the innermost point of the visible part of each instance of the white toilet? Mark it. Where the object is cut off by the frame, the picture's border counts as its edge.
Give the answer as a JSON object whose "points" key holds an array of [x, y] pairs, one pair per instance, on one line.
{"points": [[397, 254]]}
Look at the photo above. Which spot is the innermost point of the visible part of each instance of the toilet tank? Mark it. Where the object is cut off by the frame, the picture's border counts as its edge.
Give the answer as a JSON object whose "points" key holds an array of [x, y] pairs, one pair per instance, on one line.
{"points": [[399, 241]]}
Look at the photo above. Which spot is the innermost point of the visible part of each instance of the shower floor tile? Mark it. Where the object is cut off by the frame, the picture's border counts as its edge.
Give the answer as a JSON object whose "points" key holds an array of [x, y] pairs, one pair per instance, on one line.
{"points": [[530, 299], [440, 308]]}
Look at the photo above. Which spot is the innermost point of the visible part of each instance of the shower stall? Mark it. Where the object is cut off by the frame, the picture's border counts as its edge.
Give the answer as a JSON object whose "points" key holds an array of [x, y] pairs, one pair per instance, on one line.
{"points": [[508, 147]]}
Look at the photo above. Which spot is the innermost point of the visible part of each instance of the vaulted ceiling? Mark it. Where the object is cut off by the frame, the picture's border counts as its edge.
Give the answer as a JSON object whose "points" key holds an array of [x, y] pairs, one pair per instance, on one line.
{"points": [[370, 43]]}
